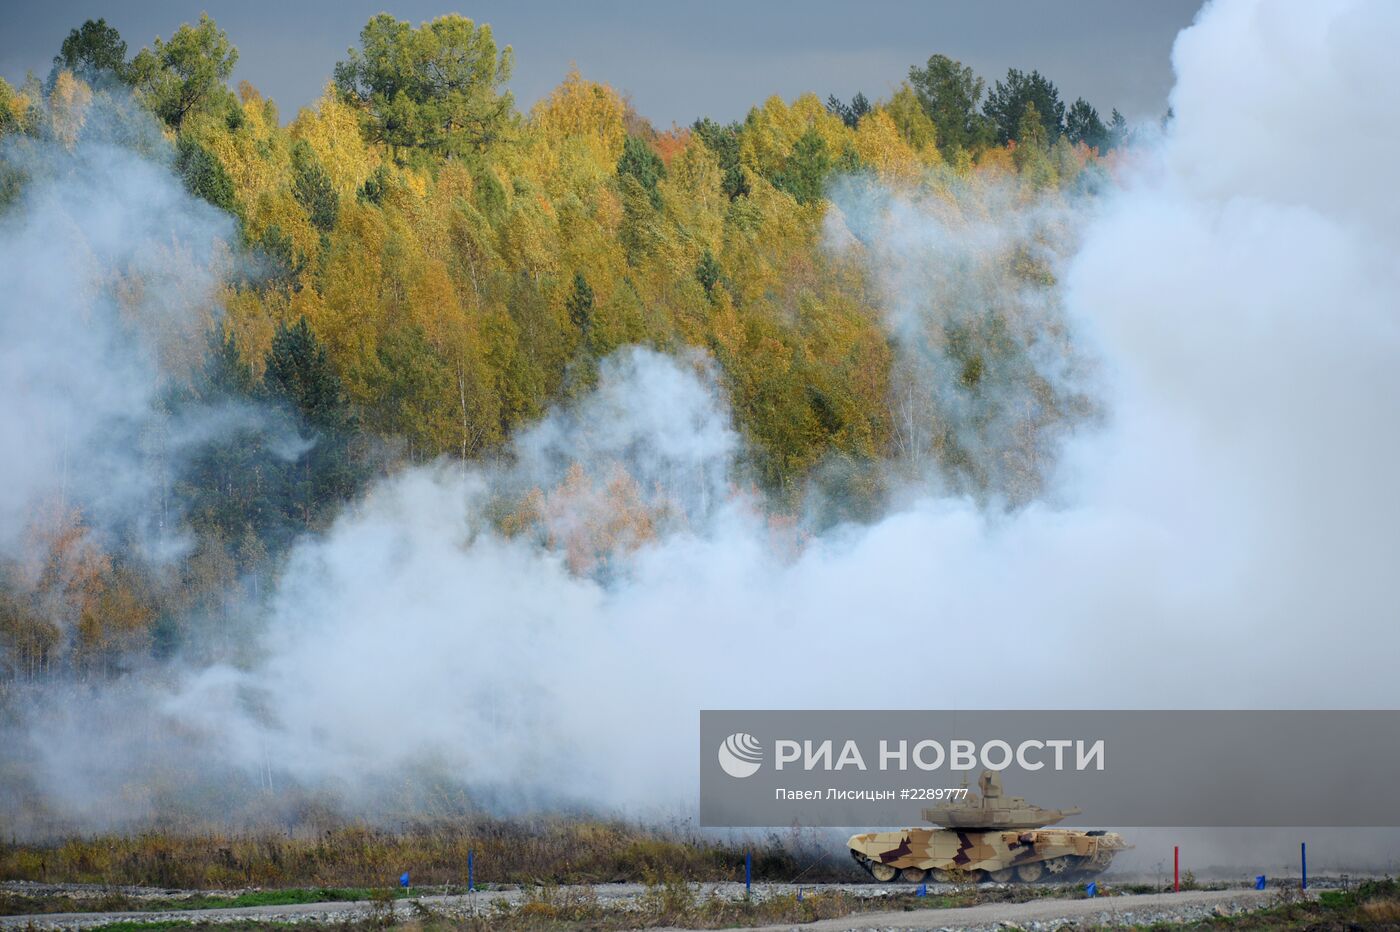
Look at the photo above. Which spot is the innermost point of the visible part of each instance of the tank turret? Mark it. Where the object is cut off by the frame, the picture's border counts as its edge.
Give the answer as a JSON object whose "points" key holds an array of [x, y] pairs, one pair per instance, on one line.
{"points": [[987, 836], [993, 809]]}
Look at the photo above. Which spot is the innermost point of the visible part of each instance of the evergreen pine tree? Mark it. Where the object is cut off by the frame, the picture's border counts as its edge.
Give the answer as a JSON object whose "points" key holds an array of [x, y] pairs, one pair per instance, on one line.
{"points": [[580, 305], [299, 377], [707, 273]]}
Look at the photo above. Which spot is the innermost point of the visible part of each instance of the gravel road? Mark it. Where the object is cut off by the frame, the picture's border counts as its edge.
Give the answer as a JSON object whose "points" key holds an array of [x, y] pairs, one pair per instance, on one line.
{"points": [[1142, 909], [1037, 914]]}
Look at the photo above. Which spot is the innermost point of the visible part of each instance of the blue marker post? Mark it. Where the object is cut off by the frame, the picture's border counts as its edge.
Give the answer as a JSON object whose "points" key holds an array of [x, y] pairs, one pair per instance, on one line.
{"points": [[748, 872], [471, 871], [1305, 865]]}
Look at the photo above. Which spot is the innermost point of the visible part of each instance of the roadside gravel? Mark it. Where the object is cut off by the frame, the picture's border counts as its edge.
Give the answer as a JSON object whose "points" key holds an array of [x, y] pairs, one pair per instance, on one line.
{"points": [[1042, 914]]}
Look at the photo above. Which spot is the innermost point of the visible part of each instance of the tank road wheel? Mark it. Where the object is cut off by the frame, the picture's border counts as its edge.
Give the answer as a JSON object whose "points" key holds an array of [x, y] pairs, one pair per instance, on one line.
{"points": [[883, 872], [1001, 876], [940, 876], [1095, 863], [1030, 873], [1059, 868], [913, 875]]}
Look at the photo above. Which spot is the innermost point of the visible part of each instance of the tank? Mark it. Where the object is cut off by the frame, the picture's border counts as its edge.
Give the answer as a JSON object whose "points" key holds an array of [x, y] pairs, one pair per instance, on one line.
{"points": [[987, 837]]}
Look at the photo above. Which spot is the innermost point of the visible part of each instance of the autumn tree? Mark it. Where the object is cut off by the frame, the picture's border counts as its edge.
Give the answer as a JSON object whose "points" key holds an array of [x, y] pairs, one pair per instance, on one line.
{"points": [[882, 148], [419, 271], [13, 113], [68, 104], [437, 88], [910, 118]]}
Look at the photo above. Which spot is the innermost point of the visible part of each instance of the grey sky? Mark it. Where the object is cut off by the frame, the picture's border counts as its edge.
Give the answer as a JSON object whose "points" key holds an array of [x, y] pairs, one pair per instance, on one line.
{"points": [[678, 61]]}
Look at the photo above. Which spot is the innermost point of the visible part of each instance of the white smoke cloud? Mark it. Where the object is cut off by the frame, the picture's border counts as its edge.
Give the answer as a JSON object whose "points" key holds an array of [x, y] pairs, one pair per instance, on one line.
{"points": [[1226, 537], [1234, 508], [107, 270], [986, 376]]}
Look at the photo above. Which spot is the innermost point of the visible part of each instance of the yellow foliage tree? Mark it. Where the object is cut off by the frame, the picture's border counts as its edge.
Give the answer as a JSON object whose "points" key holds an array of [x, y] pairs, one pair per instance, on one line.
{"points": [[585, 111], [332, 130], [68, 106], [881, 146], [771, 131]]}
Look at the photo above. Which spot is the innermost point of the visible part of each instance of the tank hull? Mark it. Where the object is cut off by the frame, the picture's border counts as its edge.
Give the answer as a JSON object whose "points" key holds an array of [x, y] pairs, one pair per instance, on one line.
{"points": [[943, 855]]}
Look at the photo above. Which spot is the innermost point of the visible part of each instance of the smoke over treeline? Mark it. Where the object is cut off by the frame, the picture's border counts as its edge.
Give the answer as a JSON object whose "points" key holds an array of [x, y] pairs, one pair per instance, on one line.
{"points": [[461, 483]]}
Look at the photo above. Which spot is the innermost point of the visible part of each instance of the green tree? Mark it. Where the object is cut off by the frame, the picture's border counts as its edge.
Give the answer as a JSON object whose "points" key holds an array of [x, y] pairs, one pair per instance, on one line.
{"points": [[187, 73], [313, 189], [639, 160], [412, 388], [299, 372], [707, 273], [375, 187], [299, 378], [1117, 130], [910, 118], [234, 482], [949, 92], [804, 174], [1008, 100], [1032, 155], [580, 305], [437, 87], [92, 49], [723, 141], [279, 263], [224, 375], [204, 176], [849, 113], [1082, 124]]}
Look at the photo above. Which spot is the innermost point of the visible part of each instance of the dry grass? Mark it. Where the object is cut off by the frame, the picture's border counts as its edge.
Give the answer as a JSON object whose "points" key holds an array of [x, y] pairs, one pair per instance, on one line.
{"points": [[545, 851], [1387, 911]]}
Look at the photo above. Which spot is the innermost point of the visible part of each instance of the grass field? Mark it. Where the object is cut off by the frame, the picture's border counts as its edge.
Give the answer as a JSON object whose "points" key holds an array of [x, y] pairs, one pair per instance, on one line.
{"points": [[1373, 904], [543, 851]]}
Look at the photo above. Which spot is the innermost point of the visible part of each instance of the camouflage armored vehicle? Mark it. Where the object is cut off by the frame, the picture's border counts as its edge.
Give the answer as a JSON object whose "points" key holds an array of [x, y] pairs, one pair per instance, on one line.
{"points": [[994, 837]]}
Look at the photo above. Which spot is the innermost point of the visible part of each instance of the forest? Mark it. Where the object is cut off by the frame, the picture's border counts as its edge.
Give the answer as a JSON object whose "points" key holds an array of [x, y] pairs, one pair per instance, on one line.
{"points": [[417, 268]]}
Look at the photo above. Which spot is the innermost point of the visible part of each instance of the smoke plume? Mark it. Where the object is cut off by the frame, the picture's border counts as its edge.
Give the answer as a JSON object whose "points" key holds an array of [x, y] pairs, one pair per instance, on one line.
{"points": [[1201, 514]]}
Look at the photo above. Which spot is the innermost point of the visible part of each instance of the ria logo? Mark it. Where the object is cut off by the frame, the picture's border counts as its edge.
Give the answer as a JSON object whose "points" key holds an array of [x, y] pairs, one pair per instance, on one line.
{"points": [[740, 755]]}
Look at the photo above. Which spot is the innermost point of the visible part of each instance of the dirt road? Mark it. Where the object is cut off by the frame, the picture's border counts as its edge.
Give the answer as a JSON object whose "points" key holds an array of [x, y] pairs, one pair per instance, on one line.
{"points": [[1143, 909]]}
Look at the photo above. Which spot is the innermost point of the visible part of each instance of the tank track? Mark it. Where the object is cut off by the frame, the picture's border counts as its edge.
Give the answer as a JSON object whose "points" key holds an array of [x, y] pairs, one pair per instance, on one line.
{"points": [[1063, 869]]}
